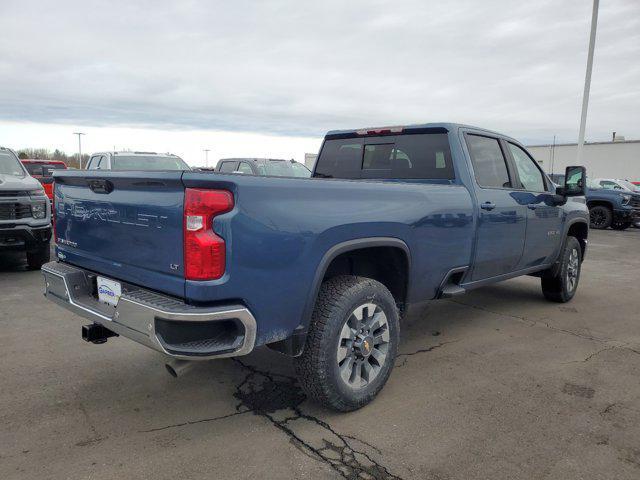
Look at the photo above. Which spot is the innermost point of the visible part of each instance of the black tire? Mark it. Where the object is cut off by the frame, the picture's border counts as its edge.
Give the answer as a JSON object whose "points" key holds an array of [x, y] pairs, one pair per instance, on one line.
{"points": [[37, 258], [319, 369], [620, 225], [600, 217], [557, 285]]}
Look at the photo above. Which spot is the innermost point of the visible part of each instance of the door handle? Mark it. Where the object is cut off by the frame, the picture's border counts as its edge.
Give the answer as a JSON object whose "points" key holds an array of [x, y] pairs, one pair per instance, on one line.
{"points": [[488, 206], [532, 206]]}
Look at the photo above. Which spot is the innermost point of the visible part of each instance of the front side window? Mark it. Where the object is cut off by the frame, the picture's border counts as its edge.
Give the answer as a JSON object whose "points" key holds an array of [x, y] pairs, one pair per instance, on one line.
{"points": [[92, 163], [244, 167], [489, 164], [530, 175], [610, 185]]}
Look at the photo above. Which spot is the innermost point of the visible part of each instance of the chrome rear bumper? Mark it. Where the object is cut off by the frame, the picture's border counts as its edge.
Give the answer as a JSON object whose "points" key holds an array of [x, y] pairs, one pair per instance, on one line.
{"points": [[160, 322]]}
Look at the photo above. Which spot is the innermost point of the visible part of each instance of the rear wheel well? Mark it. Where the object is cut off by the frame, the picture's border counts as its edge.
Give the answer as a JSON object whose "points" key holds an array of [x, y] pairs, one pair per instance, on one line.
{"points": [[580, 231], [387, 265]]}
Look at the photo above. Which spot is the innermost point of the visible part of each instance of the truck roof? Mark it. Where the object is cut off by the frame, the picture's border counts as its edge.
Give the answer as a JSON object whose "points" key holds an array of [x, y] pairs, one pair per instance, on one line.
{"points": [[251, 159], [443, 127], [42, 160], [133, 154]]}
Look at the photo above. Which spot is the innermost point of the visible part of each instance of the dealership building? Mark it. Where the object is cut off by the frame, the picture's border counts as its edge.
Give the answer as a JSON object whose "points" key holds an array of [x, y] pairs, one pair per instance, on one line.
{"points": [[616, 159]]}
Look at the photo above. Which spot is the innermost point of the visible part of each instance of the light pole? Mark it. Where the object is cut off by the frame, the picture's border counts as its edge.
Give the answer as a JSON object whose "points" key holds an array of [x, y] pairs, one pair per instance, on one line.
{"points": [[587, 81], [206, 157], [79, 148]]}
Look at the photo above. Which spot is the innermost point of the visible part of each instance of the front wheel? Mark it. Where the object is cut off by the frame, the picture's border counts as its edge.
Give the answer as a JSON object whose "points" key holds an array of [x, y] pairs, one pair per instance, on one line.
{"points": [[351, 344], [561, 285], [600, 217]]}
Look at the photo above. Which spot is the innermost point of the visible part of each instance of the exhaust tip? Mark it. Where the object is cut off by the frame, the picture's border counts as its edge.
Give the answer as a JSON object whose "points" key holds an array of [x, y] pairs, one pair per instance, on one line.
{"points": [[178, 368], [171, 370]]}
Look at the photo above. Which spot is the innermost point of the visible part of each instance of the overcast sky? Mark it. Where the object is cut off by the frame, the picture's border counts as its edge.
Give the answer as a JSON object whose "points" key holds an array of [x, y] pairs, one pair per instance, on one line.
{"points": [[271, 77]]}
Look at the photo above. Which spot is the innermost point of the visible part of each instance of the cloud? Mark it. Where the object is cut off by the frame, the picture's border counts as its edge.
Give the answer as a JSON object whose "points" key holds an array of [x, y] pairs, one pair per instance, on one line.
{"points": [[300, 68]]}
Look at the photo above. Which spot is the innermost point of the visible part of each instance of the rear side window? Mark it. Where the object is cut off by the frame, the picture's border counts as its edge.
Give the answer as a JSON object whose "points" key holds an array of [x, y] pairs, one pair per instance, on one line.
{"points": [[418, 156], [489, 164], [228, 167]]}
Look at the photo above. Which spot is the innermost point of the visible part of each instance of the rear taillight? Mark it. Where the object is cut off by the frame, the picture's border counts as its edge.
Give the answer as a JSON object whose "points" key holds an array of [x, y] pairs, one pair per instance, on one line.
{"points": [[204, 251]]}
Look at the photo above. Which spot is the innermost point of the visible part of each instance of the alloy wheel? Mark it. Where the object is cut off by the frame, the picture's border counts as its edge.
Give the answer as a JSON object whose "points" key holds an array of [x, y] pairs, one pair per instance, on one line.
{"points": [[573, 270], [363, 345]]}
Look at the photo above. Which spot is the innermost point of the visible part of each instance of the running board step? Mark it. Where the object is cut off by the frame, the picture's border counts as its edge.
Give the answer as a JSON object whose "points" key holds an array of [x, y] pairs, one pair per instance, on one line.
{"points": [[452, 290]]}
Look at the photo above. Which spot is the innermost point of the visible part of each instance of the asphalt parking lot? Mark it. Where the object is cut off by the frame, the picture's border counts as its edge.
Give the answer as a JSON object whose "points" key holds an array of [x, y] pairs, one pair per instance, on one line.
{"points": [[495, 384]]}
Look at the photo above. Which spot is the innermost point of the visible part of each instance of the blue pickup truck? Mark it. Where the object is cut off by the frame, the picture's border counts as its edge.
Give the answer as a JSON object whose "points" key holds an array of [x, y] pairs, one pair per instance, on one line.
{"points": [[200, 266], [609, 207]]}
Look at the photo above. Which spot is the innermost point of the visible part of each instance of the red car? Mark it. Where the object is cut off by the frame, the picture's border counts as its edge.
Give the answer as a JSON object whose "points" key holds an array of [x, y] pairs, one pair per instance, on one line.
{"points": [[42, 170]]}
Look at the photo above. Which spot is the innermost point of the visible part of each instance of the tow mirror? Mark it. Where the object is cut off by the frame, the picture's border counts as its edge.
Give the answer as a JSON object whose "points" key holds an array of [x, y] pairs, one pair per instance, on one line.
{"points": [[575, 182]]}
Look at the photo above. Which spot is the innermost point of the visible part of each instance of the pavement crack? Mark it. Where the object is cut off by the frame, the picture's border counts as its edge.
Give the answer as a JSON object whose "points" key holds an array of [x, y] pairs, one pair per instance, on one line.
{"points": [[533, 323], [277, 398], [193, 422], [419, 351]]}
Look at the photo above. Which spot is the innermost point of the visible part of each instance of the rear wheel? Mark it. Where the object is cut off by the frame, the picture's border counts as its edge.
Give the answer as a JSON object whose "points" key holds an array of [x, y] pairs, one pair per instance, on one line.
{"points": [[351, 344], [561, 285], [600, 217], [37, 258]]}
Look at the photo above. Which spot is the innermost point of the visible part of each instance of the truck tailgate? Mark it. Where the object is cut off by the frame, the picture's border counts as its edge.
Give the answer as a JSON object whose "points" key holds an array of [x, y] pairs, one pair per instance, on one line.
{"points": [[124, 225]]}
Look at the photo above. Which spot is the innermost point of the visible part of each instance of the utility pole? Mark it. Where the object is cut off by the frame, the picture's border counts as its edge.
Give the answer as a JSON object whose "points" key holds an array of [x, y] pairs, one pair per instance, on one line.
{"points": [[587, 80], [206, 157], [79, 148]]}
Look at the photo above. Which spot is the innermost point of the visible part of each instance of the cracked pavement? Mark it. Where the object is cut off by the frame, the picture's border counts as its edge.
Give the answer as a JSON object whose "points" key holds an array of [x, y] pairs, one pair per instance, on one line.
{"points": [[495, 384]]}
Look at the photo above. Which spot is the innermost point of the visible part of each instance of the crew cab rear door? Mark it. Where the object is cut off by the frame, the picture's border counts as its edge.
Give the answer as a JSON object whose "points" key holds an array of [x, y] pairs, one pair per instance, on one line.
{"points": [[123, 225], [501, 217]]}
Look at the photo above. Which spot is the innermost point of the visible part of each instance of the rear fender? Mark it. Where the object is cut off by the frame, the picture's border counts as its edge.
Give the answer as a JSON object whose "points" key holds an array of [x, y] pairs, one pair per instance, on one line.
{"points": [[294, 344]]}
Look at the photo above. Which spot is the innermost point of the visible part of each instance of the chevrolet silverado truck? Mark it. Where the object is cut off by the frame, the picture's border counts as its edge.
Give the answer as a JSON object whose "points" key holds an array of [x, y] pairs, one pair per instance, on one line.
{"points": [[617, 208], [25, 214], [200, 266]]}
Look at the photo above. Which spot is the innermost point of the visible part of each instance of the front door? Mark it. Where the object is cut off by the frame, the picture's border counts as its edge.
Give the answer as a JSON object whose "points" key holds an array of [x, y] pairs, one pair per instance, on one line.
{"points": [[544, 217], [502, 218]]}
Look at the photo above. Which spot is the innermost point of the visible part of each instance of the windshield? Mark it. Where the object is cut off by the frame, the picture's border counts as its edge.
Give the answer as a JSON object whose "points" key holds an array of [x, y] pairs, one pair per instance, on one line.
{"points": [[43, 169], [629, 186], [9, 164], [148, 162]]}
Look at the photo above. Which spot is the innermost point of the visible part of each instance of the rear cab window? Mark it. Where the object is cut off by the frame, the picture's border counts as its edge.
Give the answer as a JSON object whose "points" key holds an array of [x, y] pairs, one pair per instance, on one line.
{"points": [[406, 156], [489, 162]]}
